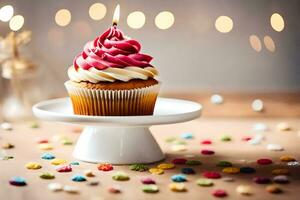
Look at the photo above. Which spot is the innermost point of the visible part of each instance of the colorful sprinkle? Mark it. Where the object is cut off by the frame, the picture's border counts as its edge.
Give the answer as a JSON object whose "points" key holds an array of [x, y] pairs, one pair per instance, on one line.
{"points": [[219, 193], [179, 142], [47, 156], [231, 170], [179, 147], [58, 161], [262, 180], [6, 126], [283, 126], [89, 173], [293, 163], [206, 142], [62, 169], [224, 163], [66, 141], [178, 178], [282, 179], [244, 190], [193, 162], [211, 174], [264, 161], [115, 189], [78, 178], [177, 187], [187, 136], [166, 166], [170, 139], [257, 139], [246, 138], [150, 188], [55, 187], [138, 167], [45, 146], [17, 181], [228, 179], [280, 171], [204, 182], [42, 141], [74, 163], [188, 170], [47, 175], [207, 152], [247, 170], [105, 167], [34, 125], [93, 183], [260, 127], [71, 189], [33, 165], [179, 161], [120, 176], [7, 145], [216, 99], [274, 189], [156, 171], [226, 138], [274, 147], [147, 180], [287, 158]]}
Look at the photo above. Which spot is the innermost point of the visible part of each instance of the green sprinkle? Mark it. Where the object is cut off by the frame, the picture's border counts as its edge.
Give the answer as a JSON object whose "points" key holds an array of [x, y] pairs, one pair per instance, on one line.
{"points": [[66, 141], [34, 125], [178, 142], [224, 163], [138, 167], [204, 182], [193, 162], [171, 139], [120, 176], [47, 175], [7, 157], [150, 188], [226, 138]]}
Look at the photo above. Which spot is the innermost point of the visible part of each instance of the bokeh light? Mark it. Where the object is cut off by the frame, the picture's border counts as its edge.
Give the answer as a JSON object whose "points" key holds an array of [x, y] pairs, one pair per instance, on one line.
{"points": [[97, 11], [136, 19], [277, 22], [269, 43], [164, 20], [255, 43], [16, 22], [63, 17], [224, 24], [6, 13]]}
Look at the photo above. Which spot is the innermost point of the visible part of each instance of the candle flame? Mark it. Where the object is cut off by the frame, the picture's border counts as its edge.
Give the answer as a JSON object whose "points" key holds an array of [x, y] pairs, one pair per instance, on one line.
{"points": [[116, 16]]}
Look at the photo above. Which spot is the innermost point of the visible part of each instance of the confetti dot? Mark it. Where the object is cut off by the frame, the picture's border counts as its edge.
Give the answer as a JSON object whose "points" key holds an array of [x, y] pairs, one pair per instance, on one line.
{"points": [[58, 161], [177, 187], [166, 166], [219, 193], [206, 142], [204, 182], [247, 170], [17, 181], [55, 187], [262, 180], [150, 188], [287, 158], [264, 161], [281, 179], [147, 180], [207, 152], [178, 178], [6, 126], [33, 165], [224, 163], [275, 189], [120, 176], [257, 105], [283, 126], [78, 178], [46, 146], [280, 171], [62, 169], [216, 99], [187, 136], [244, 190], [105, 167], [114, 189], [274, 147], [47, 175], [47, 156], [188, 170], [156, 171], [179, 161], [71, 189], [138, 167], [193, 162], [211, 174], [231, 170]]}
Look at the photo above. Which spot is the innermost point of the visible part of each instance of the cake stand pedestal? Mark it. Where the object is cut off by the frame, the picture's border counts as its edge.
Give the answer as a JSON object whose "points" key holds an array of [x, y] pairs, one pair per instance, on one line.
{"points": [[118, 139]]}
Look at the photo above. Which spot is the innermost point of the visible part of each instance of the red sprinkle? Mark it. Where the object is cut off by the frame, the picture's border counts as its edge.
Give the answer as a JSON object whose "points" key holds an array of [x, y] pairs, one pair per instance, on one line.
{"points": [[105, 167], [179, 161], [212, 175], [206, 142], [261, 180], [147, 180], [264, 161], [246, 138], [66, 168], [43, 141], [219, 193], [207, 152]]}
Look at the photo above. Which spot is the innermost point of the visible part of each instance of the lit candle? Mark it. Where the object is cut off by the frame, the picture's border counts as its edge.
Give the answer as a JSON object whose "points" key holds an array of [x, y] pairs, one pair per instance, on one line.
{"points": [[116, 16]]}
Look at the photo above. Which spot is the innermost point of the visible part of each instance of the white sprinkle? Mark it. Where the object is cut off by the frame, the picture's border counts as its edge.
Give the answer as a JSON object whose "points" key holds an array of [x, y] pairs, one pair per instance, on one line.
{"points": [[283, 126], [244, 189], [257, 105], [257, 139], [274, 147], [260, 127], [179, 147], [55, 187], [6, 126], [228, 179], [70, 189], [216, 99], [293, 163]]}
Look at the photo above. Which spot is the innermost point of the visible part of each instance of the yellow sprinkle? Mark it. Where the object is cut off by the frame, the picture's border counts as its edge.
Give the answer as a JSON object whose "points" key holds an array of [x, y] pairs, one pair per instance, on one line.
{"points": [[179, 147], [45, 146], [287, 158], [280, 171], [165, 166], [156, 171], [58, 161], [177, 187], [231, 170], [33, 165]]}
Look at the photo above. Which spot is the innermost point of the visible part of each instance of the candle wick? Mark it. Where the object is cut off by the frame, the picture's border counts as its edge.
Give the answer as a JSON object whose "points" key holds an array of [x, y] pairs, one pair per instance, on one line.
{"points": [[115, 24]]}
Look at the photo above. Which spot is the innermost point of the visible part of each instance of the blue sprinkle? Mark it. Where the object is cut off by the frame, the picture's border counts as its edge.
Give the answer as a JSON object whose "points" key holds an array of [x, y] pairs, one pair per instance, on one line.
{"points": [[17, 181], [247, 170], [47, 156], [187, 170], [74, 163], [187, 136], [78, 178], [178, 178]]}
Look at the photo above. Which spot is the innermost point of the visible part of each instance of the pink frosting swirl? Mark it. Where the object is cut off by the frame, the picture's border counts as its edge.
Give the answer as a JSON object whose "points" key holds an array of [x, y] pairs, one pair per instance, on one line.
{"points": [[112, 49]]}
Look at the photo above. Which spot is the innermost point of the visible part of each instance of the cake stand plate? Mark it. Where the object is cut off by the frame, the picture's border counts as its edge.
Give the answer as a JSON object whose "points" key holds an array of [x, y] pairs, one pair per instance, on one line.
{"points": [[118, 139]]}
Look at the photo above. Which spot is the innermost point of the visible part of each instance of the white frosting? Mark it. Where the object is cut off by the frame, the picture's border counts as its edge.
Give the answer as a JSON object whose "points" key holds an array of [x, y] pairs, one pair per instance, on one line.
{"points": [[111, 74]]}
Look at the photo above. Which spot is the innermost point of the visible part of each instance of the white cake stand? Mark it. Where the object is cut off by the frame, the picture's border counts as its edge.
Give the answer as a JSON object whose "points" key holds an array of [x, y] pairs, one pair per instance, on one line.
{"points": [[118, 139]]}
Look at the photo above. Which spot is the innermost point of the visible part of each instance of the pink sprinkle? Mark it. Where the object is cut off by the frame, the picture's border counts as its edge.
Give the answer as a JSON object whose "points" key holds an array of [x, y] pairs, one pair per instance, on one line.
{"points": [[264, 161], [207, 152], [246, 138], [147, 180], [219, 193], [179, 161], [66, 168], [212, 175], [206, 142]]}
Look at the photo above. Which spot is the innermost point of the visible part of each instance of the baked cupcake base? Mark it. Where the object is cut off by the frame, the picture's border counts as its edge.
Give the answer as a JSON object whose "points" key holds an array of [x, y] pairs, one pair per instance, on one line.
{"points": [[135, 97]]}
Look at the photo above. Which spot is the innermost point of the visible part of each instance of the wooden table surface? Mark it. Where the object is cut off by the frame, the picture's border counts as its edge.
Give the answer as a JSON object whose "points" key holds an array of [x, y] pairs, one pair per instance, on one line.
{"points": [[237, 151]]}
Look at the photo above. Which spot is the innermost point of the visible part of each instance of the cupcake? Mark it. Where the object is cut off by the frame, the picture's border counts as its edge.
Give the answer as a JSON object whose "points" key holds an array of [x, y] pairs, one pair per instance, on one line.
{"points": [[110, 77]]}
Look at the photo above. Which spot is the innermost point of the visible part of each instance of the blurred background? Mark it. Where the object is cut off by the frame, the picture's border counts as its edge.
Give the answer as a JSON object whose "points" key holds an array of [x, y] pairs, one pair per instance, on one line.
{"points": [[199, 46]]}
